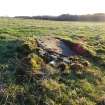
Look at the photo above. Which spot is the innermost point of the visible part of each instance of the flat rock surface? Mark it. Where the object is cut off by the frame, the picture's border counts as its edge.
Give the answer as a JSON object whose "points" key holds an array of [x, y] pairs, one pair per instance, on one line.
{"points": [[55, 45]]}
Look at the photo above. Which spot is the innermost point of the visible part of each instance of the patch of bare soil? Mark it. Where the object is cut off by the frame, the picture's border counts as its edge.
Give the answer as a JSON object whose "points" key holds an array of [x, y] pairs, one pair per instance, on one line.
{"points": [[55, 45]]}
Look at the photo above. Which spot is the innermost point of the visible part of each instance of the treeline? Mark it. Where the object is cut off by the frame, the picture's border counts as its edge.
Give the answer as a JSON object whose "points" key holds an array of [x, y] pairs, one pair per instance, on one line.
{"points": [[68, 17]]}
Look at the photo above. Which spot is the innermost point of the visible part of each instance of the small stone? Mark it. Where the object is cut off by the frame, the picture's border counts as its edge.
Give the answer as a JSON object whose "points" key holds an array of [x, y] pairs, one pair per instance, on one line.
{"points": [[66, 60], [52, 63], [54, 57]]}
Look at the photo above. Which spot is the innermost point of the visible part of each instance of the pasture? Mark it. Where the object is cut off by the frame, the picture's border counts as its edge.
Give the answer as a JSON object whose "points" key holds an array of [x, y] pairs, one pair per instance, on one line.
{"points": [[83, 86]]}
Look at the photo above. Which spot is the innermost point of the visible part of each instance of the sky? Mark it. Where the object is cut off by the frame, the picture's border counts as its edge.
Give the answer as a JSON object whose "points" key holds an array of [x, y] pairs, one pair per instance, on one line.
{"points": [[50, 7]]}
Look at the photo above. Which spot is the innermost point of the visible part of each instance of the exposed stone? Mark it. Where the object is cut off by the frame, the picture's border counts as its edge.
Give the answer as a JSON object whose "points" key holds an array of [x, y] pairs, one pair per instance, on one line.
{"points": [[53, 63], [66, 60]]}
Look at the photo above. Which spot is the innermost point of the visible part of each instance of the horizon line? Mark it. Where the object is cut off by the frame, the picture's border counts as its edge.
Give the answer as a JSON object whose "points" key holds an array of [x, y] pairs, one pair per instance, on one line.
{"points": [[55, 15]]}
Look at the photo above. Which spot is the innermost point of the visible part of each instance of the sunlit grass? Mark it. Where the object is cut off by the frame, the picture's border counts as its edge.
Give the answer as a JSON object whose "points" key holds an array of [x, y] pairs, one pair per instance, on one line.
{"points": [[56, 88]]}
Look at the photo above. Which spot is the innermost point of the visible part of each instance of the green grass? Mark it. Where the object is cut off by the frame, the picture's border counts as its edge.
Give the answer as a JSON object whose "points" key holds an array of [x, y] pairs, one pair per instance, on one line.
{"points": [[59, 89]]}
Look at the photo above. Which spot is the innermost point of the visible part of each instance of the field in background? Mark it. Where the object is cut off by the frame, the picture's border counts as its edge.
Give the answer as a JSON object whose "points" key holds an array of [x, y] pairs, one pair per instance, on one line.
{"points": [[25, 27], [86, 91]]}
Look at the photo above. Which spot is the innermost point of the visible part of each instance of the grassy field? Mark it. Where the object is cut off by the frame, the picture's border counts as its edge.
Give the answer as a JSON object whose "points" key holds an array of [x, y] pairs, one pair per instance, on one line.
{"points": [[60, 89]]}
